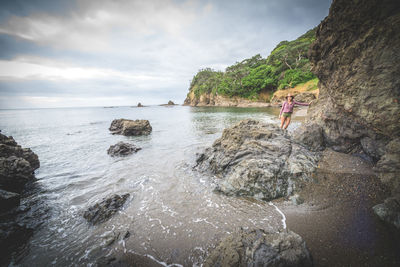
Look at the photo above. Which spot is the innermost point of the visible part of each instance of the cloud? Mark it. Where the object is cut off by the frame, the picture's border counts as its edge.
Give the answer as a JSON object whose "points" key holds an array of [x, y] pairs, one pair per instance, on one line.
{"points": [[147, 46]]}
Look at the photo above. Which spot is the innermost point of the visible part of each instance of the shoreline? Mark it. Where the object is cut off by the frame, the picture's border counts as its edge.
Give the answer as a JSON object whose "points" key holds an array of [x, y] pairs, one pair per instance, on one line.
{"points": [[336, 219]]}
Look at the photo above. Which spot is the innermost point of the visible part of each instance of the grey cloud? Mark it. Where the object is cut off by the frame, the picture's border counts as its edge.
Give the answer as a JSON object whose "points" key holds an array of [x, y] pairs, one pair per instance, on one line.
{"points": [[142, 37]]}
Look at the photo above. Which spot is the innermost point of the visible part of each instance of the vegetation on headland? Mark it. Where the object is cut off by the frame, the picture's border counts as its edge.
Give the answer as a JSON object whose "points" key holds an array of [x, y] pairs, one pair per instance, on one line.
{"points": [[286, 67]]}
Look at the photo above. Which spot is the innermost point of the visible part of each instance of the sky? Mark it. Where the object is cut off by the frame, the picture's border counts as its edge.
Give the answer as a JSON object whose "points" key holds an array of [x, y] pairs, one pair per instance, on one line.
{"points": [[80, 53]]}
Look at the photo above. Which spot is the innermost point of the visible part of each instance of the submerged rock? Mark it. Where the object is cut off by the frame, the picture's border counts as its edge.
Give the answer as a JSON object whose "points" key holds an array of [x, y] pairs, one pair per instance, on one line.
{"points": [[17, 165], [389, 211], [102, 211], [122, 149], [259, 248], [8, 200], [259, 160], [130, 127]]}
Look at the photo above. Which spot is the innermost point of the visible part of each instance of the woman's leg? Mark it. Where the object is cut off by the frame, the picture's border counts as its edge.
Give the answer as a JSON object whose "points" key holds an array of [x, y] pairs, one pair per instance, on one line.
{"points": [[282, 121], [287, 122]]}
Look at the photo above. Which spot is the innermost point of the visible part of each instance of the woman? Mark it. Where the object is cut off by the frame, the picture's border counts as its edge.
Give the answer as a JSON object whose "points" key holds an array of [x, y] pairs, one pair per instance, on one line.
{"points": [[287, 110]]}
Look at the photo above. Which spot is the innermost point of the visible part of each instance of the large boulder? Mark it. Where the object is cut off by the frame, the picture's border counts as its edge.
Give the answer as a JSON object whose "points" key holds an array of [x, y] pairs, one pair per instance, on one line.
{"points": [[102, 211], [17, 165], [259, 248], [258, 160], [122, 149], [389, 211], [130, 127]]}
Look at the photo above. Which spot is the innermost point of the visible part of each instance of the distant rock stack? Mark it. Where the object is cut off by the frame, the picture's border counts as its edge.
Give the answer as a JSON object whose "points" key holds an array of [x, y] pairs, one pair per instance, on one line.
{"points": [[139, 105]]}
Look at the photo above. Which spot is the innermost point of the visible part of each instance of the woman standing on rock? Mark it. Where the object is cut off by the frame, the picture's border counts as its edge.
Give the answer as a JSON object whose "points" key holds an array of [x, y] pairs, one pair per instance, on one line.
{"points": [[287, 110]]}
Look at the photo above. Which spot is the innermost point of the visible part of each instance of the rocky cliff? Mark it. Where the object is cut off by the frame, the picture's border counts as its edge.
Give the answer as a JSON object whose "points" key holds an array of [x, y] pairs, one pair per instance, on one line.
{"points": [[356, 58]]}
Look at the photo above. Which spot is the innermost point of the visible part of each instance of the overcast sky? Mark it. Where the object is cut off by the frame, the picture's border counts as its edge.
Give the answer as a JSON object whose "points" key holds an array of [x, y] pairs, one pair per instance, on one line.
{"points": [[101, 53]]}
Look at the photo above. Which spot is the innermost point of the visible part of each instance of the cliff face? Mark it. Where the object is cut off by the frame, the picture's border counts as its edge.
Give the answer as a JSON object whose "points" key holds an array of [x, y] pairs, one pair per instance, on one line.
{"points": [[356, 58], [209, 99]]}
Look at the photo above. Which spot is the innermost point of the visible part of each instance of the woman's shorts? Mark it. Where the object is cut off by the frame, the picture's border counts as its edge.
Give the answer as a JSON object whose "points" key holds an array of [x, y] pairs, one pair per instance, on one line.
{"points": [[287, 114]]}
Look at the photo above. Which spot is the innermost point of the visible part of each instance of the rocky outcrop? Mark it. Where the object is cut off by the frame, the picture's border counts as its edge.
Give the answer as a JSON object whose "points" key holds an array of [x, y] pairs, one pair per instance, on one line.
{"points": [[102, 211], [355, 56], [130, 127], [122, 149], [258, 160], [259, 248], [206, 100], [17, 165], [139, 105], [8, 200]]}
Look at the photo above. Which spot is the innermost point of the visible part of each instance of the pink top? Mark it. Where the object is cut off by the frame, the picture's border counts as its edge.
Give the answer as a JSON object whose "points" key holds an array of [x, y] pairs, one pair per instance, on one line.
{"points": [[286, 107]]}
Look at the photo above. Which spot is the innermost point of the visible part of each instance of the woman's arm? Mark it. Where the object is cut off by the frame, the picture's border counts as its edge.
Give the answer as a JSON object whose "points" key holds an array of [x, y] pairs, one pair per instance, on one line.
{"points": [[301, 104]]}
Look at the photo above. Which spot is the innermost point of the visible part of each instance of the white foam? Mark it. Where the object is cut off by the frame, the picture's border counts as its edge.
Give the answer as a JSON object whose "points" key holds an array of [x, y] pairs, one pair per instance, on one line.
{"points": [[283, 215]]}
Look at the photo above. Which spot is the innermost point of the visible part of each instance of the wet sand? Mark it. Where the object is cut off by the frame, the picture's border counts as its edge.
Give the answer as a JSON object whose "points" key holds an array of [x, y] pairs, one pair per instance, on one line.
{"points": [[336, 219]]}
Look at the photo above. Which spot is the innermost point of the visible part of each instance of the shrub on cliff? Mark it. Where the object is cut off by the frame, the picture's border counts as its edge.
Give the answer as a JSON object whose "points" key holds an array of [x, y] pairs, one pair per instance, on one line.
{"points": [[286, 66]]}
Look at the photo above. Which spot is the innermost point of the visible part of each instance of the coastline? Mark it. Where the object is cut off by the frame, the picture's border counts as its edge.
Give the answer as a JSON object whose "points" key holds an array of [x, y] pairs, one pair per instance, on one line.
{"points": [[336, 219]]}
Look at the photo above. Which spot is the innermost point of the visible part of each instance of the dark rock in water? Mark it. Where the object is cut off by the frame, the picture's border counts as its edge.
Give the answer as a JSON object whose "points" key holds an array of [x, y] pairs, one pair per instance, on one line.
{"points": [[130, 127], [122, 149], [101, 212], [139, 105], [17, 165], [259, 160], [12, 236], [8, 200], [389, 211], [258, 248], [170, 103]]}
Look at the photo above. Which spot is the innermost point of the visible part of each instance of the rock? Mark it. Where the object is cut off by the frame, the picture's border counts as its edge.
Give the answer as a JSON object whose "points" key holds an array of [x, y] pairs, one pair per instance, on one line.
{"points": [[258, 160], [388, 167], [17, 165], [311, 136], [221, 101], [296, 199], [305, 97], [259, 248], [122, 149], [170, 103], [374, 148], [12, 237], [355, 58], [139, 105], [101, 212], [8, 200], [389, 211], [130, 127]]}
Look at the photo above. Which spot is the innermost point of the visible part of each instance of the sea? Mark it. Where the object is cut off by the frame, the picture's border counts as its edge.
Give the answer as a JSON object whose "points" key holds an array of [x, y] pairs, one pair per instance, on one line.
{"points": [[173, 215]]}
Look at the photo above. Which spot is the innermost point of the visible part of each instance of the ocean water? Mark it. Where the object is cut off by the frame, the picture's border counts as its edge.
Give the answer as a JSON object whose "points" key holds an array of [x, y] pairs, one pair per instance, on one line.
{"points": [[173, 215]]}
